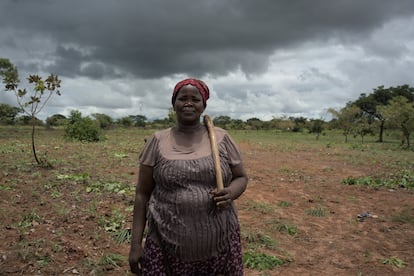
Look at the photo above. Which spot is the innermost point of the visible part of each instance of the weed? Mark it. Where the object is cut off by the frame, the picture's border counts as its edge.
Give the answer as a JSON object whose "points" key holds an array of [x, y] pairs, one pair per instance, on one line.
{"points": [[111, 259], [259, 240], [122, 236], [28, 219], [84, 177], [261, 207], [261, 261], [114, 222], [395, 261], [317, 212], [284, 203]]}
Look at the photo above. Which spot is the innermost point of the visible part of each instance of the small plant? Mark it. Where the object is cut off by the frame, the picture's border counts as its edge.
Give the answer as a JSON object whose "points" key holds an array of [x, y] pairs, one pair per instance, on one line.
{"points": [[395, 261], [122, 236], [284, 203], [261, 207], [111, 259], [29, 219], [261, 261], [114, 222], [317, 212], [259, 240], [30, 103]]}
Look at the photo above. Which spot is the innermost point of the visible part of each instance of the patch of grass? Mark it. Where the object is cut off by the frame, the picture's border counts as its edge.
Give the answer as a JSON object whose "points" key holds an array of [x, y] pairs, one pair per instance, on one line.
{"points": [[29, 219], [122, 236], [395, 261], [259, 240], [405, 216], [114, 222], [402, 179], [283, 203], [261, 261], [83, 177], [261, 207], [111, 259], [316, 212]]}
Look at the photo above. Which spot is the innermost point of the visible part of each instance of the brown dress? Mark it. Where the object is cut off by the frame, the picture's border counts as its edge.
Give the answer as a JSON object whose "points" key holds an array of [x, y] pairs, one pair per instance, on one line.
{"points": [[190, 226]]}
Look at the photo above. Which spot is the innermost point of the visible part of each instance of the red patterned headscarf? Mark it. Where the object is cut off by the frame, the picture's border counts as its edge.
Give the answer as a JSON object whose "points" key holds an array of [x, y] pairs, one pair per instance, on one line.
{"points": [[199, 84]]}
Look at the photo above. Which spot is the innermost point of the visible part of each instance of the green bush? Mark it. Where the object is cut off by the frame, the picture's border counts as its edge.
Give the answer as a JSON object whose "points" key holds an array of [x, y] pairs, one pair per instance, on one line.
{"points": [[82, 128]]}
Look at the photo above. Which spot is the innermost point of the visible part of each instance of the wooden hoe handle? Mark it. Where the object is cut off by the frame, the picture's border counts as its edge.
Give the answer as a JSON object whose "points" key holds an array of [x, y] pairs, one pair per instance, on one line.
{"points": [[214, 150]]}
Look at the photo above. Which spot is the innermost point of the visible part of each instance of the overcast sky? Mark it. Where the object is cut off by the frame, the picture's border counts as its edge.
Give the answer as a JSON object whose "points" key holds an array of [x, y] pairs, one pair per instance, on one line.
{"points": [[260, 58]]}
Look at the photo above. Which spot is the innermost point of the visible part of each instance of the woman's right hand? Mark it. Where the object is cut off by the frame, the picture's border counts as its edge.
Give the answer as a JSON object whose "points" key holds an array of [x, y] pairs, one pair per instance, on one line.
{"points": [[136, 257]]}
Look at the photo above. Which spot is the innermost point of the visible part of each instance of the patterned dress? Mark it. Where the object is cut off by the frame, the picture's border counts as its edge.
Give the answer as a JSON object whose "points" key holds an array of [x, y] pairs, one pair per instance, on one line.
{"points": [[187, 233]]}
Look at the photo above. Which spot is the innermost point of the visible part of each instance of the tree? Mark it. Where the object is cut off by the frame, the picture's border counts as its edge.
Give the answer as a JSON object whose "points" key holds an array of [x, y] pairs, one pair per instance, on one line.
{"points": [[316, 126], [31, 103], [381, 97], [56, 120], [104, 120], [222, 121], [400, 113], [139, 120], [82, 129], [8, 114], [346, 118]]}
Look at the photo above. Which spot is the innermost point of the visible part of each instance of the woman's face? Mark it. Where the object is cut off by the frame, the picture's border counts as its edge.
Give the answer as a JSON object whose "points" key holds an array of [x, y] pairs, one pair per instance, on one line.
{"points": [[188, 105]]}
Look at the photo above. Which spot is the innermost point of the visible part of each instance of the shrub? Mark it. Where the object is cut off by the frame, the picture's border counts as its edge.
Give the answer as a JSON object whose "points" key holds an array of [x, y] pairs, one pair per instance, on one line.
{"points": [[82, 128]]}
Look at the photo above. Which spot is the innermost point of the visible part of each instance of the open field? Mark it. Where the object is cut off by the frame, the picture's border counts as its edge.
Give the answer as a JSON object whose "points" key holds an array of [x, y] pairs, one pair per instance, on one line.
{"points": [[301, 205]]}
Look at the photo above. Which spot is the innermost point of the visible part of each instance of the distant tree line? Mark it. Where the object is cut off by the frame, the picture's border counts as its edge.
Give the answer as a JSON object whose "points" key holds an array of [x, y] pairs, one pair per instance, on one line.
{"points": [[384, 108]]}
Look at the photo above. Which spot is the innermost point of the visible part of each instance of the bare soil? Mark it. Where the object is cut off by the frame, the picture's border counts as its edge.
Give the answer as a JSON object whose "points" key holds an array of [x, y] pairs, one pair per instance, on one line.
{"points": [[65, 234]]}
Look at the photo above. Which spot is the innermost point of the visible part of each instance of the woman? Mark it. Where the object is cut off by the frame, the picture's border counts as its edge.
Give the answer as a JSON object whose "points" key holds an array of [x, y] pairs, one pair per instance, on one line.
{"points": [[192, 228]]}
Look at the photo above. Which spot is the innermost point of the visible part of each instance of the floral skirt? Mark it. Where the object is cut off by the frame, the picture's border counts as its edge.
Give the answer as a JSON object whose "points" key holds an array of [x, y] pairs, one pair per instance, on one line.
{"points": [[229, 263]]}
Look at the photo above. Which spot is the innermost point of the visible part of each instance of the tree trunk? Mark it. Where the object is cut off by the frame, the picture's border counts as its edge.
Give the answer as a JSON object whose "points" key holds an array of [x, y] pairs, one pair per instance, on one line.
{"points": [[381, 131], [33, 141]]}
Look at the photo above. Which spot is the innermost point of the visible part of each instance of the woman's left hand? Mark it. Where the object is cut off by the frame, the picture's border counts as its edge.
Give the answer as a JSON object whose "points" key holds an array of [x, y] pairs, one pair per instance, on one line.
{"points": [[222, 198]]}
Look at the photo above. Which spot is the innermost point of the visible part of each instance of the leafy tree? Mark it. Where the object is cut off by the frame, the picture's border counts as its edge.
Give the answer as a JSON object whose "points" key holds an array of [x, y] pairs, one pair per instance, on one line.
{"points": [[56, 120], [82, 129], [362, 127], [346, 118], [299, 123], [31, 103], [222, 121], [254, 123], [400, 113], [316, 126], [380, 97], [104, 120], [125, 121], [28, 120], [139, 120], [8, 114]]}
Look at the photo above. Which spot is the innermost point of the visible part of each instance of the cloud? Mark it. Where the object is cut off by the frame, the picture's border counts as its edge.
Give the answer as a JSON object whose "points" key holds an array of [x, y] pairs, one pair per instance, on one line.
{"points": [[302, 56]]}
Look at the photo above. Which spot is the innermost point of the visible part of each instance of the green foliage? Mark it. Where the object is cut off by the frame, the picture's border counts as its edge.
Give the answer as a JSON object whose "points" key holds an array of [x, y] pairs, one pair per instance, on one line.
{"points": [[112, 259], [402, 179], [261, 261], [122, 236], [395, 261], [29, 219], [256, 240], [30, 103], [319, 211], [8, 114], [103, 120], [56, 120], [82, 129]]}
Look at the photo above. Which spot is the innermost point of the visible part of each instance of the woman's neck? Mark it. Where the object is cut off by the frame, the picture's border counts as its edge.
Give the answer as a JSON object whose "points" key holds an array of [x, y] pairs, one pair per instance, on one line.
{"points": [[189, 128]]}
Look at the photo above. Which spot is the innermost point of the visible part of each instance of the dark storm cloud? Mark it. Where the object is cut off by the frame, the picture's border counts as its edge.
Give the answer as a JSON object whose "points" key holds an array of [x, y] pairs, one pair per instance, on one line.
{"points": [[151, 39]]}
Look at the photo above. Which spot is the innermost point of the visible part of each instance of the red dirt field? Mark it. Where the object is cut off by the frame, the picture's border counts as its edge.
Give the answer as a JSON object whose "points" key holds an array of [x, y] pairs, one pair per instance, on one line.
{"points": [[56, 225]]}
